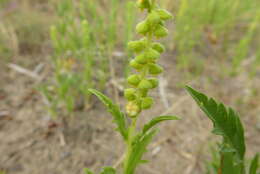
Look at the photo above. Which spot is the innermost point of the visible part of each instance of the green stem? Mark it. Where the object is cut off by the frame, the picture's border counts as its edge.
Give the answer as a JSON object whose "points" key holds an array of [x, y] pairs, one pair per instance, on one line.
{"points": [[129, 149]]}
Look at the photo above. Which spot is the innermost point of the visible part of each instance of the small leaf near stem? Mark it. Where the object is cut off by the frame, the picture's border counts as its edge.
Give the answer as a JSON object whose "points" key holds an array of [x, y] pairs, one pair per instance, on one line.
{"points": [[157, 120]]}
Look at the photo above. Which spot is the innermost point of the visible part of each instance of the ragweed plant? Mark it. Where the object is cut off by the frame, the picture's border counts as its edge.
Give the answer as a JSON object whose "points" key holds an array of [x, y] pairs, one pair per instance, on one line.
{"points": [[147, 52], [228, 125]]}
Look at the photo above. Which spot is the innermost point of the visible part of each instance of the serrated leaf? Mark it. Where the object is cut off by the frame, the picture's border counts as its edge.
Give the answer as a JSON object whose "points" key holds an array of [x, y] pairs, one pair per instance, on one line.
{"points": [[139, 148], [226, 121], [119, 117], [87, 171], [108, 170], [157, 120], [254, 165]]}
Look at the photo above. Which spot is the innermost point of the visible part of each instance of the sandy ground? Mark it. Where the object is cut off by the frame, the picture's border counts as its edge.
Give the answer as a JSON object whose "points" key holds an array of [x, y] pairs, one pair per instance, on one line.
{"points": [[31, 143]]}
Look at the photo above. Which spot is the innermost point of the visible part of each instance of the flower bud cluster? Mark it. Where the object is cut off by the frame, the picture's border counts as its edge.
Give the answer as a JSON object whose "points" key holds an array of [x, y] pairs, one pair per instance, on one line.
{"points": [[147, 53]]}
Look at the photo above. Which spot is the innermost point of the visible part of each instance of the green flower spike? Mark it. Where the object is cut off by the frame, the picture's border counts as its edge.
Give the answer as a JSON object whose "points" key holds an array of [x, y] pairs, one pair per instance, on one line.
{"points": [[147, 52]]}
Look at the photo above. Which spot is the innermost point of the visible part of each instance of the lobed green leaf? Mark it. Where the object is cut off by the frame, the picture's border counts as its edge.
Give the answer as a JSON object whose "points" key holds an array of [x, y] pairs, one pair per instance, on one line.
{"points": [[226, 121], [114, 109]]}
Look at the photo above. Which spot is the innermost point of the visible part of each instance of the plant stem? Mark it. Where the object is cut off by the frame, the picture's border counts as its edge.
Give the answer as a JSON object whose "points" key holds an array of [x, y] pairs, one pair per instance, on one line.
{"points": [[129, 148]]}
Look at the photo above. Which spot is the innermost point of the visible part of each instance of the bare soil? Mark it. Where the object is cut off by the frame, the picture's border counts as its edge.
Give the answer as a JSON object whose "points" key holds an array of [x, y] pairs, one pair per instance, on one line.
{"points": [[32, 143]]}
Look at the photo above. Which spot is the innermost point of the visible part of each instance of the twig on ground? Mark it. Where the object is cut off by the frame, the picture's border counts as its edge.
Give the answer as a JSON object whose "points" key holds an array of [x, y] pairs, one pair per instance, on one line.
{"points": [[5, 115], [62, 139], [162, 87], [118, 162], [39, 68], [117, 85], [24, 71]]}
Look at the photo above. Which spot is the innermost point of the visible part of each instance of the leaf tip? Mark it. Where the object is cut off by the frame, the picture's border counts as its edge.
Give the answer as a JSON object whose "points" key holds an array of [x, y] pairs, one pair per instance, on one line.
{"points": [[91, 90]]}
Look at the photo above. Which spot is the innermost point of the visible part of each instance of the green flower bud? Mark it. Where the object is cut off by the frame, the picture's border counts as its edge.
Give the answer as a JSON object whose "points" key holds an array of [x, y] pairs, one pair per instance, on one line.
{"points": [[160, 31], [141, 59], [154, 69], [154, 82], [158, 47], [143, 92], [164, 14], [152, 54], [142, 4], [132, 109], [134, 64], [134, 80], [142, 27], [130, 94], [147, 102], [145, 84], [137, 46], [153, 19]]}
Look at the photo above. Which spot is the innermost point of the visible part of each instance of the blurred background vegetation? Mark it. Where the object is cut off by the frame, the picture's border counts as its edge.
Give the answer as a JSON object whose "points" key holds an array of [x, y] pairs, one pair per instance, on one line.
{"points": [[81, 39]]}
